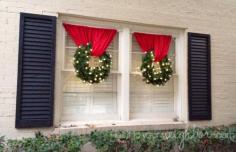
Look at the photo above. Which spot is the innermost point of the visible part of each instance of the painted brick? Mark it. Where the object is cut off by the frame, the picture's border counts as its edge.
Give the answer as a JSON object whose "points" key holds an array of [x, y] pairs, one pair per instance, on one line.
{"points": [[214, 17]]}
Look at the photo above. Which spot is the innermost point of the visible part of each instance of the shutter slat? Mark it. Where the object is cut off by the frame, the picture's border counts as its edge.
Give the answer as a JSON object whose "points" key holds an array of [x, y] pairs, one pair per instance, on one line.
{"points": [[199, 78], [38, 39], [36, 60], [31, 43], [38, 19], [38, 101], [38, 28], [37, 48], [30, 23], [35, 104], [35, 92], [43, 33], [35, 64], [36, 118], [40, 56], [37, 36]]}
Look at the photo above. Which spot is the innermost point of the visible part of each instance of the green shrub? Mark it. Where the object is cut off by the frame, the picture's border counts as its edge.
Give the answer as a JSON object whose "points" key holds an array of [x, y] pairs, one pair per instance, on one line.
{"points": [[193, 139], [52, 143], [2, 141]]}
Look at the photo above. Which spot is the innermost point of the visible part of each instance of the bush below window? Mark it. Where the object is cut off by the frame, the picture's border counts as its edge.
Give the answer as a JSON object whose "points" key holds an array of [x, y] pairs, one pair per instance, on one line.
{"points": [[194, 139]]}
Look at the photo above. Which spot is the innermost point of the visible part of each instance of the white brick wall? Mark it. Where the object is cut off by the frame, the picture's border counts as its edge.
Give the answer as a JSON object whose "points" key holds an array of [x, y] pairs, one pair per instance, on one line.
{"points": [[215, 17]]}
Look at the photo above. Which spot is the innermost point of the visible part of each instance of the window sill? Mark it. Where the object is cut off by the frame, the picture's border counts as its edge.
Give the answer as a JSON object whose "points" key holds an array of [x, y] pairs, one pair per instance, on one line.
{"points": [[85, 127]]}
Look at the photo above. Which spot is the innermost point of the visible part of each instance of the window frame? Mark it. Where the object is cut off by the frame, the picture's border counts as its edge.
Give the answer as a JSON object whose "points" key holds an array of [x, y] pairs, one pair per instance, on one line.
{"points": [[125, 31]]}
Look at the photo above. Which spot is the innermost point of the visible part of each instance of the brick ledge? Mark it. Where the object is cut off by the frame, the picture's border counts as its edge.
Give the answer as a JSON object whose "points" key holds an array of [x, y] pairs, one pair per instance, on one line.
{"points": [[133, 125]]}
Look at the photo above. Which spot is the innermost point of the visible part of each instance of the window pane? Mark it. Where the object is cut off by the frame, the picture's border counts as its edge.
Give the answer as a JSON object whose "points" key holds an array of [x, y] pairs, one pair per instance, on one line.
{"points": [[88, 102], [148, 101]]}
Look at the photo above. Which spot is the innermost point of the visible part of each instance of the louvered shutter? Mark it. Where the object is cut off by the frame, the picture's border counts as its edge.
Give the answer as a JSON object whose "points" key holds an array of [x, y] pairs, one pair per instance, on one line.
{"points": [[199, 76], [35, 90]]}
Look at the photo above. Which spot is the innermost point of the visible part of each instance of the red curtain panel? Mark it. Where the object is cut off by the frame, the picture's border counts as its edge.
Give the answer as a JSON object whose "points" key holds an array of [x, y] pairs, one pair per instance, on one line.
{"points": [[100, 38], [158, 43]]}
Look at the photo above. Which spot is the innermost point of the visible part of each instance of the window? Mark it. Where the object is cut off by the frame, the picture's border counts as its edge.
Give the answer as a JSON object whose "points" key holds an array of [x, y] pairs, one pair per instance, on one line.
{"points": [[123, 96]]}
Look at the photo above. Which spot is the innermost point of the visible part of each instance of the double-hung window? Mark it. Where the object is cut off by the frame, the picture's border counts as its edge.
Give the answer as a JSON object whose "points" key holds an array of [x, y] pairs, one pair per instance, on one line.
{"points": [[123, 95]]}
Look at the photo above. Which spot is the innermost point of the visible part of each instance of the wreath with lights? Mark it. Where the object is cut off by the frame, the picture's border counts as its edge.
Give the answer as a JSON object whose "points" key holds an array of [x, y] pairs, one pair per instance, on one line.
{"points": [[87, 73], [156, 73]]}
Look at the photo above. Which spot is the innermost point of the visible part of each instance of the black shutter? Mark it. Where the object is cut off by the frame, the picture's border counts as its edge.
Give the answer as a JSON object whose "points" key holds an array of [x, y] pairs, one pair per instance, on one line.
{"points": [[35, 88], [199, 76]]}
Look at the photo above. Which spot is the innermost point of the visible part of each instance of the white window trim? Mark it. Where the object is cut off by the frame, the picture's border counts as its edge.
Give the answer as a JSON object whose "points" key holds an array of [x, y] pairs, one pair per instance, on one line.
{"points": [[125, 43]]}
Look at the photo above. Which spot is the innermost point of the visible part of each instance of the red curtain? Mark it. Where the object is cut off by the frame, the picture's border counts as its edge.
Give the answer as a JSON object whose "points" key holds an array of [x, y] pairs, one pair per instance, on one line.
{"points": [[158, 43], [99, 38]]}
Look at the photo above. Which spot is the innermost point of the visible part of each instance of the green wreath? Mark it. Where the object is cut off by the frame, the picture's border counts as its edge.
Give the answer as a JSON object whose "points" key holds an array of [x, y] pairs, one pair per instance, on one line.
{"points": [[87, 73], [156, 73]]}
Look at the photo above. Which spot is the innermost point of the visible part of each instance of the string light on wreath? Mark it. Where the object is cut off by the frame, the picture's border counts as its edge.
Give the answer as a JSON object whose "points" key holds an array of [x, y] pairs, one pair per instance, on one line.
{"points": [[156, 73], [87, 73]]}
